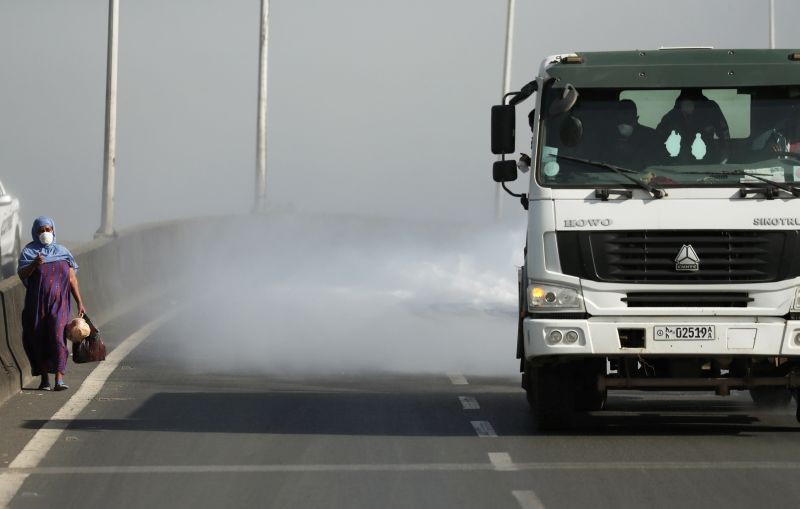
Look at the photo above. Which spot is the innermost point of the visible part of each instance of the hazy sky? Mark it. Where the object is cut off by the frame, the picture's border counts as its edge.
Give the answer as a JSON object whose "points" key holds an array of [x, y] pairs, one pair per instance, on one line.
{"points": [[374, 106]]}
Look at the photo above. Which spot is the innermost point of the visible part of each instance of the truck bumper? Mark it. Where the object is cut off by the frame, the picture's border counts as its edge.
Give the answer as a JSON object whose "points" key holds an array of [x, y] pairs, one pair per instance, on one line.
{"points": [[601, 336]]}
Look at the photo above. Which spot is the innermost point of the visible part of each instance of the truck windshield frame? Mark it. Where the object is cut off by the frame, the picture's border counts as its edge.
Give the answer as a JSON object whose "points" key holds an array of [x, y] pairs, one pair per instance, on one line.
{"points": [[672, 137]]}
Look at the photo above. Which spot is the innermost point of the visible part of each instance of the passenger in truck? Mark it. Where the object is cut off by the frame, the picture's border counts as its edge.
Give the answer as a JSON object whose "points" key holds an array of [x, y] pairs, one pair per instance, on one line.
{"points": [[694, 130], [632, 144], [778, 134]]}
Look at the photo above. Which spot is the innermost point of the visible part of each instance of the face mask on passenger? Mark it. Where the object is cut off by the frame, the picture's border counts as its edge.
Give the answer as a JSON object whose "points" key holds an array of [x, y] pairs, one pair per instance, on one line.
{"points": [[625, 129], [46, 238]]}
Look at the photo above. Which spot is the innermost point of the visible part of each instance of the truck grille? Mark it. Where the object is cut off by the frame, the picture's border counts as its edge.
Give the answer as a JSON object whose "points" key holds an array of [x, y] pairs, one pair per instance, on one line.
{"points": [[688, 300], [648, 256]]}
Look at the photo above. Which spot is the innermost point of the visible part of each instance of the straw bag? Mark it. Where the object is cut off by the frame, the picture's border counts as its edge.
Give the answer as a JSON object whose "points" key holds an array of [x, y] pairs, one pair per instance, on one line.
{"points": [[92, 348]]}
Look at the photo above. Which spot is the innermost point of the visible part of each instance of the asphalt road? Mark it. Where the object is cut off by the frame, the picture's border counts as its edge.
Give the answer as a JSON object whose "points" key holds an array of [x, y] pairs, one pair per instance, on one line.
{"points": [[160, 435]]}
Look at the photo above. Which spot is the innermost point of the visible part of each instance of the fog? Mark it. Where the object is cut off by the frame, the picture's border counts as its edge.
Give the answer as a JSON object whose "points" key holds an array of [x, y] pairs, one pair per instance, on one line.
{"points": [[346, 294]]}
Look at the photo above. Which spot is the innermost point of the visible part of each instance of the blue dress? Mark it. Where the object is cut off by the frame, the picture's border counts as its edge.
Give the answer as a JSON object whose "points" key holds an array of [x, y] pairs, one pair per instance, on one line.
{"points": [[46, 314]]}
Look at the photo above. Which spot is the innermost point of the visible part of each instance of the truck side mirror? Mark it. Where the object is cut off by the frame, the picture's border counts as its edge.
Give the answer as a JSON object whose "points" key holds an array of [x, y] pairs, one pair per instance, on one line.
{"points": [[504, 171], [504, 124]]}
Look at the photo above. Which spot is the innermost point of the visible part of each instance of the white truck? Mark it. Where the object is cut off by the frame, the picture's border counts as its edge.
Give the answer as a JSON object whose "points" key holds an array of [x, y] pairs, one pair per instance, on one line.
{"points": [[663, 238]]}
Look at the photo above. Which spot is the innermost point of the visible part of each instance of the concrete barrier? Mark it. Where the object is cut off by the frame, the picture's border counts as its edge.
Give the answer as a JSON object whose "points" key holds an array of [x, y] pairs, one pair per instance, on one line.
{"points": [[113, 273]]}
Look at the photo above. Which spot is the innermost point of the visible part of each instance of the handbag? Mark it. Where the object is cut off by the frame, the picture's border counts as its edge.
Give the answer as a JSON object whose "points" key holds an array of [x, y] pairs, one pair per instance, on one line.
{"points": [[91, 349]]}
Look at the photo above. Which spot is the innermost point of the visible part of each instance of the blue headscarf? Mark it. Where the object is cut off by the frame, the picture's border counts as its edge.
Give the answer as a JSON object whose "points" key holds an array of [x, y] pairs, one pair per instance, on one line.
{"points": [[52, 253]]}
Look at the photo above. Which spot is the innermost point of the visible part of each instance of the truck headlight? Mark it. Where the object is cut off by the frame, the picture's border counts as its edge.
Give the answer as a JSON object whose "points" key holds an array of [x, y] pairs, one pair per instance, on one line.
{"points": [[796, 303], [544, 296]]}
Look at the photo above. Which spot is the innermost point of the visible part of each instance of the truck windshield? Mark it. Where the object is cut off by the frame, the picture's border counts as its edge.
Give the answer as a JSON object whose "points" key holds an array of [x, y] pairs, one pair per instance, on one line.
{"points": [[674, 138]]}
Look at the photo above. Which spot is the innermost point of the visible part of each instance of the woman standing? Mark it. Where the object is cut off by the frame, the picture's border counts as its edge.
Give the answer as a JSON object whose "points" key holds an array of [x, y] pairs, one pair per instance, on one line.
{"points": [[48, 271]]}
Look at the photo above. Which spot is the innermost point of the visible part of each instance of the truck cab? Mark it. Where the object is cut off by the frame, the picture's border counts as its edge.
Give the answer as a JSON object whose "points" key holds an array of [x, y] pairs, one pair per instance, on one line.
{"points": [[663, 237]]}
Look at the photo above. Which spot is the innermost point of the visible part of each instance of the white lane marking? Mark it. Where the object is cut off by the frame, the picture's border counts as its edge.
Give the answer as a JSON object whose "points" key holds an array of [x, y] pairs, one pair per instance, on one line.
{"points": [[483, 429], [501, 461], [457, 379], [401, 467], [405, 467], [527, 499], [469, 403], [41, 442], [9, 484]]}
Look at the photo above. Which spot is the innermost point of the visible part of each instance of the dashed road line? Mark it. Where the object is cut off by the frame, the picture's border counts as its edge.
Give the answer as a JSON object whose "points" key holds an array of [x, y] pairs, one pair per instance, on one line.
{"points": [[457, 379], [527, 499], [502, 461], [469, 403], [484, 429]]}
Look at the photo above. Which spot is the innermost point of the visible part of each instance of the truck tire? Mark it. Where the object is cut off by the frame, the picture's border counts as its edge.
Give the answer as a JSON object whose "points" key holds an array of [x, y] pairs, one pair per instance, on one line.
{"points": [[588, 398], [549, 390], [771, 397]]}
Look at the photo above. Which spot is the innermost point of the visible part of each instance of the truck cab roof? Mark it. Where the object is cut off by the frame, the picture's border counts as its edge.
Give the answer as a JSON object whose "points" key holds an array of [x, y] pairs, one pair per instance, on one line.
{"points": [[680, 67]]}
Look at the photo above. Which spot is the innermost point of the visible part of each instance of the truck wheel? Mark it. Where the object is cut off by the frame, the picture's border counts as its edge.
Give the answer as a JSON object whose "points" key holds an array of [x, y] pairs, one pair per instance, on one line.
{"points": [[771, 397], [590, 400], [588, 397], [550, 394]]}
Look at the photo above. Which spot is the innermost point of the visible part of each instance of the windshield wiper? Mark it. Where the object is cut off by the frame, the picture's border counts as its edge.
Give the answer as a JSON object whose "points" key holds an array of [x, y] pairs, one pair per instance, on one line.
{"points": [[624, 172], [769, 192]]}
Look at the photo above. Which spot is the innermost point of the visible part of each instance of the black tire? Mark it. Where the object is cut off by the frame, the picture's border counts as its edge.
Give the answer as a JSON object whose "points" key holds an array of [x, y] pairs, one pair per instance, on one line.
{"points": [[588, 398], [771, 397], [550, 395]]}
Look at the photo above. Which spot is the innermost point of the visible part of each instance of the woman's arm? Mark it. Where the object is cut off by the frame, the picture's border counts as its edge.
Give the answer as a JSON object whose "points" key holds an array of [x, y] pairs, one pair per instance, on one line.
{"points": [[25, 272], [76, 293]]}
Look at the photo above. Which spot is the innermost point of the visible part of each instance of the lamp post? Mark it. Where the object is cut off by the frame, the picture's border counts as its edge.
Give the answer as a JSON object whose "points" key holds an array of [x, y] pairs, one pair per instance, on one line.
{"points": [[261, 131], [772, 24], [110, 144]]}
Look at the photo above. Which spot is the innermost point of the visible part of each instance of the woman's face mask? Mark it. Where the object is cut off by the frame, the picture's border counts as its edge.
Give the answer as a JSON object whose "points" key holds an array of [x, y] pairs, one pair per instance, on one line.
{"points": [[625, 129], [46, 238]]}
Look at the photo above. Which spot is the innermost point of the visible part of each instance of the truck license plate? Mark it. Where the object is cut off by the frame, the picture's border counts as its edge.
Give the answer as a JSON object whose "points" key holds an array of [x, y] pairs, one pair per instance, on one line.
{"points": [[683, 332]]}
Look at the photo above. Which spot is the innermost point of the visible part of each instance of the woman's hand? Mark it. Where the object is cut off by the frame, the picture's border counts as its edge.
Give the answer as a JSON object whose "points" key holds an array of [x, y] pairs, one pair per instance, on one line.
{"points": [[25, 272], [81, 310]]}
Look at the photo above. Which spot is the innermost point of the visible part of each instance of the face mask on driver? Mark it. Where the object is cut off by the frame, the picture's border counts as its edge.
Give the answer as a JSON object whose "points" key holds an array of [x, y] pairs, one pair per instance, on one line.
{"points": [[46, 238], [625, 129]]}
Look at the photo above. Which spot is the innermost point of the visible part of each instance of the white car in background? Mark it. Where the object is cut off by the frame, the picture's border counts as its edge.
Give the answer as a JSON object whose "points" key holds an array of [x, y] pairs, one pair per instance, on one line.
{"points": [[10, 233]]}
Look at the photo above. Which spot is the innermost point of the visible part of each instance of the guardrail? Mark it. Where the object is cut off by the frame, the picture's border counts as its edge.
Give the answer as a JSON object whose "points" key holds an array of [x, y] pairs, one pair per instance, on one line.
{"points": [[113, 273]]}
